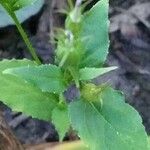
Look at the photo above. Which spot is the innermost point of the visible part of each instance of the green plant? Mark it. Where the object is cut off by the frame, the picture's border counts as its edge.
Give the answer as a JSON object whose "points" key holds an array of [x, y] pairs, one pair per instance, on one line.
{"points": [[100, 115], [11, 6], [22, 14]]}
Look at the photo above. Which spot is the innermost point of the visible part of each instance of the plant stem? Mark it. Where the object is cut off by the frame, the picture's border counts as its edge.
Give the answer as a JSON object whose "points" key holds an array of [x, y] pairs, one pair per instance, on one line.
{"points": [[70, 3], [23, 34], [63, 60]]}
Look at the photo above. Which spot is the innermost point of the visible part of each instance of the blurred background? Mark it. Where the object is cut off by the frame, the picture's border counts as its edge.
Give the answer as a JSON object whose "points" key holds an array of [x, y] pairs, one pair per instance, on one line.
{"points": [[129, 50]]}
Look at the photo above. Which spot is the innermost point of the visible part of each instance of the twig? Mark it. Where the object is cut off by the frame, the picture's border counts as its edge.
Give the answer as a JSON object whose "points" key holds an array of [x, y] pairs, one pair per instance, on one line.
{"points": [[7, 140], [18, 120]]}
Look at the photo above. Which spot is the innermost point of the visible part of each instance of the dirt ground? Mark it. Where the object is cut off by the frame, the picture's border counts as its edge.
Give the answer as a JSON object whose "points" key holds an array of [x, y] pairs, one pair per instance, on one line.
{"points": [[129, 50]]}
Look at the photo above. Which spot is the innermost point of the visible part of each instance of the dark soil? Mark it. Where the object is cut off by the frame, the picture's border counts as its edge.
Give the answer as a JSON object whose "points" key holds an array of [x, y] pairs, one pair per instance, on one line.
{"points": [[129, 50]]}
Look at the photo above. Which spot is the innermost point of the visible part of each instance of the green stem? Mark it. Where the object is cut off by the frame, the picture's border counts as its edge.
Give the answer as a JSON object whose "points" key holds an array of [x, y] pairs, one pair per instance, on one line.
{"points": [[22, 33], [70, 3], [63, 60]]}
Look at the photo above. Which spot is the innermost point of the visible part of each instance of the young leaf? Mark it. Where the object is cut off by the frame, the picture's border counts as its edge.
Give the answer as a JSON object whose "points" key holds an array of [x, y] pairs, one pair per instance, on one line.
{"points": [[49, 78], [114, 125], [22, 96], [60, 119], [94, 28], [91, 73]]}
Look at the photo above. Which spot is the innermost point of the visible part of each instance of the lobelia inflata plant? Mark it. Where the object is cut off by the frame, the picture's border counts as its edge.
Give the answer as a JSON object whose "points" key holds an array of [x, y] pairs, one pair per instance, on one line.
{"points": [[100, 116]]}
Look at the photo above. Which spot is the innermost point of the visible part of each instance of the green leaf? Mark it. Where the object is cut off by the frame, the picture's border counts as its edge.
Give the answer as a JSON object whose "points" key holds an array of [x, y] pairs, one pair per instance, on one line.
{"points": [[23, 3], [110, 125], [49, 78], [17, 4], [91, 73], [22, 96], [60, 119], [149, 143], [22, 14], [5, 64], [94, 29]]}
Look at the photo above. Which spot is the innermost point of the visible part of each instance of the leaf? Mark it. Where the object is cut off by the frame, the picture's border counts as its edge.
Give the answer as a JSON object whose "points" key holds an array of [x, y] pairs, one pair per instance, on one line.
{"points": [[22, 96], [149, 143], [113, 126], [91, 73], [22, 14], [49, 78], [60, 119], [94, 29], [23, 3], [16, 4]]}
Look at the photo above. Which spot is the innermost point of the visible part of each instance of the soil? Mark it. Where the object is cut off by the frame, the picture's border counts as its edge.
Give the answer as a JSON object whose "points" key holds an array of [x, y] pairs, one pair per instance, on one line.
{"points": [[129, 50]]}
